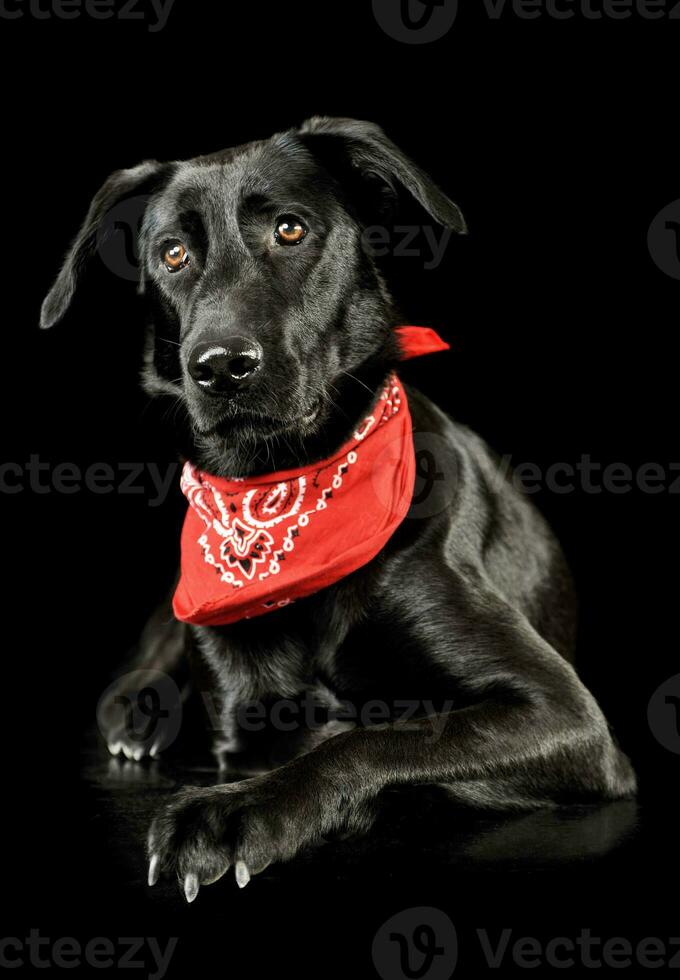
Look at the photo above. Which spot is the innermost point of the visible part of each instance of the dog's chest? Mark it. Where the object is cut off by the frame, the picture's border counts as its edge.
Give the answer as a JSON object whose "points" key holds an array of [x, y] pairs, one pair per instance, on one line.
{"points": [[274, 696]]}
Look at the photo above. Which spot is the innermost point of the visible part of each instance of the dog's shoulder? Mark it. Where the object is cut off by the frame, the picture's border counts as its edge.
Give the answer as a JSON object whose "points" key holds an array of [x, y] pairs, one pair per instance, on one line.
{"points": [[470, 516]]}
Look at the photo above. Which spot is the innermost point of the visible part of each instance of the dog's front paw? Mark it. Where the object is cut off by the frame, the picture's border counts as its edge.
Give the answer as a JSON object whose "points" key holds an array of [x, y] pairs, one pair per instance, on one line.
{"points": [[247, 825], [140, 714]]}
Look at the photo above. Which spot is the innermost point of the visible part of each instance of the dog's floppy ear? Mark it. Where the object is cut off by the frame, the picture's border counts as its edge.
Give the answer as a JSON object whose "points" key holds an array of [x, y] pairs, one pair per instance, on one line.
{"points": [[368, 151], [139, 180]]}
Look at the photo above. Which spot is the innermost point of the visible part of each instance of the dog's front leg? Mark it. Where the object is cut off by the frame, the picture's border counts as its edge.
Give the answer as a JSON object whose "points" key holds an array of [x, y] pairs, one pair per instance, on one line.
{"points": [[534, 737], [155, 680]]}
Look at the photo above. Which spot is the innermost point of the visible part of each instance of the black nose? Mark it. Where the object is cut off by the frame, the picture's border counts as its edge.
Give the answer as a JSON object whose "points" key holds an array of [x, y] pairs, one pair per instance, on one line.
{"points": [[224, 366]]}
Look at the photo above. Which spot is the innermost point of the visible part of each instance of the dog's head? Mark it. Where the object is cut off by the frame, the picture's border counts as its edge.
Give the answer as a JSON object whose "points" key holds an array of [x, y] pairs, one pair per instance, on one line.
{"points": [[269, 318]]}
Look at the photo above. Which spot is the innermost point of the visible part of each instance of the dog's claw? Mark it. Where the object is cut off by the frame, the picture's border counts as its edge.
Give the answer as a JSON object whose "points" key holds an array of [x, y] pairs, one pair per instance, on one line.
{"points": [[154, 869], [191, 887], [242, 874]]}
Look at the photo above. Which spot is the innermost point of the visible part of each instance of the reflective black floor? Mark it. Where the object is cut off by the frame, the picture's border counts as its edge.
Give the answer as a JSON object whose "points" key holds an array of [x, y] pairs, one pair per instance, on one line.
{"points": [[126, 795], [542, 875]]}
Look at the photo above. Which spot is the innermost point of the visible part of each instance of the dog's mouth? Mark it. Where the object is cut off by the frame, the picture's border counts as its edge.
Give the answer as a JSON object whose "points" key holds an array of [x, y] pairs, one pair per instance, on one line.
{"points": [[262, 424]]}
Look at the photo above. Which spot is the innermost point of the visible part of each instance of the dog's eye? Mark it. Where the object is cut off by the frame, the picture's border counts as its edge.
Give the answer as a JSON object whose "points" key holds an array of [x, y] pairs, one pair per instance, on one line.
{"points": [[289, 230], [175, 257]]}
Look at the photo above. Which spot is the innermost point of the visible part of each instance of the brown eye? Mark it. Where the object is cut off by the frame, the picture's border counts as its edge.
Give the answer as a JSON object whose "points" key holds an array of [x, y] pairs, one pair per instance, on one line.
{"points": [[289, 230], [175, 257]]}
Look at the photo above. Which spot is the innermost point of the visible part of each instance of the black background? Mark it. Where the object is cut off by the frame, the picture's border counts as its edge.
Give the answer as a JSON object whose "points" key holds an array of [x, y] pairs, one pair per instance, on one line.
{"points": [[559, 142]]}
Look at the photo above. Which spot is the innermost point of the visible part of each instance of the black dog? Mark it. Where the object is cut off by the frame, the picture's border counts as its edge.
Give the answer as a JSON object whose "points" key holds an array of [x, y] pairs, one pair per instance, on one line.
{"points": [[468, 613]]}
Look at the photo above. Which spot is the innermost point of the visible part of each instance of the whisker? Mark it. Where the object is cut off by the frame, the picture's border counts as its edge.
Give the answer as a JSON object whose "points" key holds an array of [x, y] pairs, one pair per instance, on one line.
{"points": [[358, 381]]}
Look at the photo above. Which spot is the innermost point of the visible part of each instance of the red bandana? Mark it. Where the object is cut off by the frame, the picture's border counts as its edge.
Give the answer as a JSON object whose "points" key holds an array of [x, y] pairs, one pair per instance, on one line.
{"points": [[254, 545]]}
